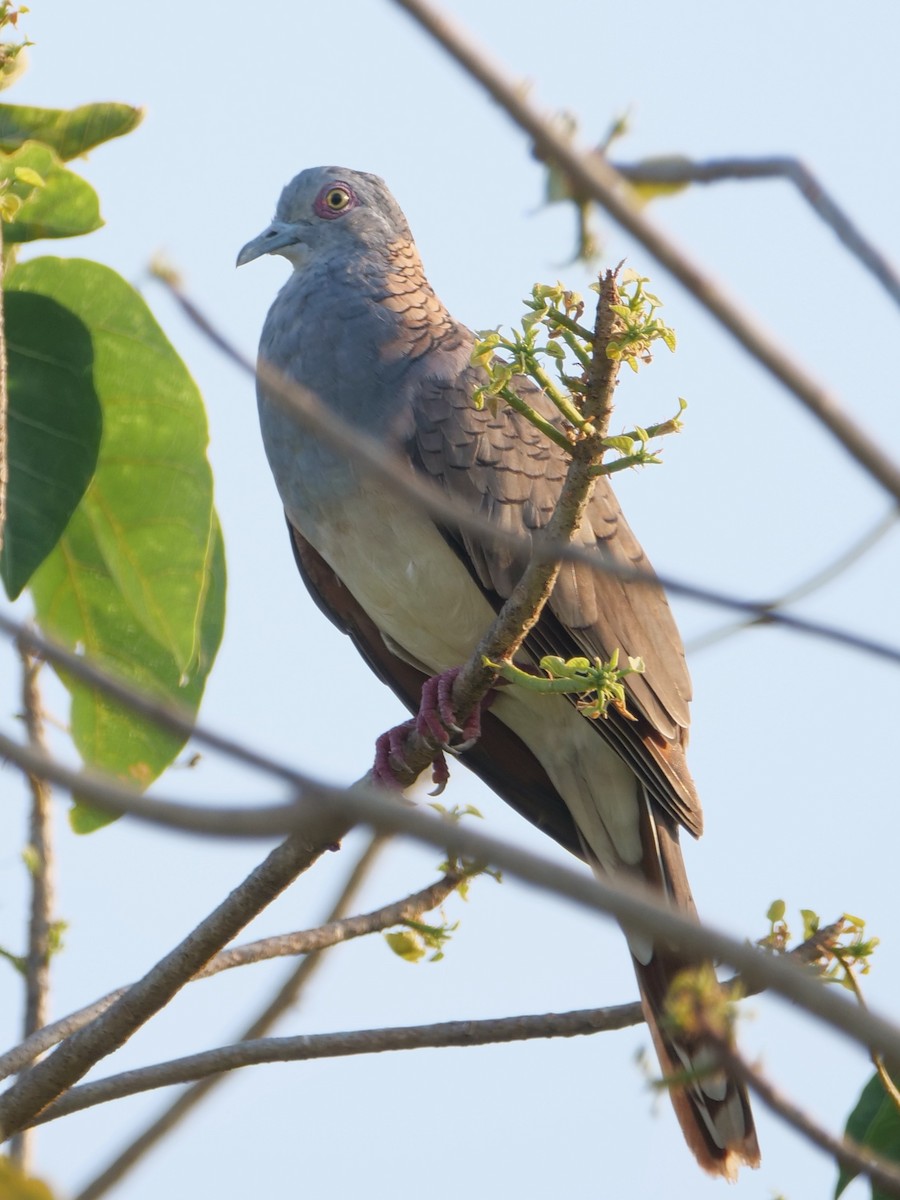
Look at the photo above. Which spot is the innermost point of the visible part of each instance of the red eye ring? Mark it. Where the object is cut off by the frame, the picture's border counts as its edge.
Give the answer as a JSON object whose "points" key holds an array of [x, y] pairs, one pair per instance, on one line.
{"points": [[334, 200]]}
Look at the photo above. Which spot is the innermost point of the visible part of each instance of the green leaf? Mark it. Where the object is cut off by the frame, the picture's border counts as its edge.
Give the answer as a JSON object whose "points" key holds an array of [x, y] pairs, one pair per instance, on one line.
{"points": [[16, 1186], [54, 429], [811, 923], [137, 580], [623, 443], [875, 1124], [20, 964], [78, 601], [406, 945], [69, 131], [150, 504], [776, 911], [55, 201]]}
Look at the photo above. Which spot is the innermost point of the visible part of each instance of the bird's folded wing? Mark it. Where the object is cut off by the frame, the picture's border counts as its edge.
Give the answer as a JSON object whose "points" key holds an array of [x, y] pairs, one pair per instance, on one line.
{"points": [[510, 472]]}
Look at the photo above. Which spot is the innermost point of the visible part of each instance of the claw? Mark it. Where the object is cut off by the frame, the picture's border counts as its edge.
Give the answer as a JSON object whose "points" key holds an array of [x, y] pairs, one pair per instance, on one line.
{"points": [[438, 723], [440, 774]]}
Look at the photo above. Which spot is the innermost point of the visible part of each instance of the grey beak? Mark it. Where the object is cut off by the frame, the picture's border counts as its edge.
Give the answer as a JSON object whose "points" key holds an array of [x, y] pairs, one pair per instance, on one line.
{"points": [[270, 241]]}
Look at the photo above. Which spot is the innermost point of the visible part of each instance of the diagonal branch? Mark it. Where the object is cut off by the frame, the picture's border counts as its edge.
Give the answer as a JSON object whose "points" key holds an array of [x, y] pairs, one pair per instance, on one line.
{"points": [[284, 998], [522, 610], [676, 169], [821, 578], [884, 1174], [593, 176]]}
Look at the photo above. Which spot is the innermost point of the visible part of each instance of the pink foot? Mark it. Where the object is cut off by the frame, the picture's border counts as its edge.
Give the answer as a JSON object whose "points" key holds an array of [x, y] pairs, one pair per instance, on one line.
{"points": [[389, 755], [436, 721], [437, 718]]}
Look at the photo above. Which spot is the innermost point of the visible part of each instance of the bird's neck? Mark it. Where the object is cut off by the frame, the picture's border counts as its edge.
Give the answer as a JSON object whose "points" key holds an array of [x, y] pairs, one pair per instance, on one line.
{"points": [[420, 320]]}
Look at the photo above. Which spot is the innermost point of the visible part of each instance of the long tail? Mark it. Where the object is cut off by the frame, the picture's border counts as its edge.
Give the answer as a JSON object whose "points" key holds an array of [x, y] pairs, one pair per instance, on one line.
{"points": [[714, 1110]]}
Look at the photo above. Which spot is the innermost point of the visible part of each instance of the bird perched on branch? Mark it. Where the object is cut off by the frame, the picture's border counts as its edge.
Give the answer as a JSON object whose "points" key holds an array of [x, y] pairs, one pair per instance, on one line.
{"points": [[358, 325]]}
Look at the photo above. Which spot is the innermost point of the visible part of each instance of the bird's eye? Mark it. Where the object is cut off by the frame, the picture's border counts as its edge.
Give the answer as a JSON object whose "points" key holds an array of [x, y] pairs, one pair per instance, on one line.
{"points": [[334, 199]]}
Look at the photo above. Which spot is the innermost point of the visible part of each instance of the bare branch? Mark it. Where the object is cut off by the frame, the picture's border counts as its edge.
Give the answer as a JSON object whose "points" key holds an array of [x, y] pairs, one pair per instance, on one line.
{"points": [[342, 1045], [284, 998], [39, 859], [337, 930], [522, 610], [18, 1057], [884, 1174], [592, 176], [676, 169], [823, 576]]}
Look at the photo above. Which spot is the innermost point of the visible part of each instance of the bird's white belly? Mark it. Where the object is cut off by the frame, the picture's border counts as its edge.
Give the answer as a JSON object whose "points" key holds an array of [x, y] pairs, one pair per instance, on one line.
{"points": [[406, 577]]}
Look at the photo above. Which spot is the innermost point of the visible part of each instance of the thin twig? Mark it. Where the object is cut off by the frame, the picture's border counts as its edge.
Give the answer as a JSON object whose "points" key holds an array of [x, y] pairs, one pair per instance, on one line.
{"points": [[676, 169], [4, 406], [890, 1088], [306, 942], [40, 856], [823, 576], [285, 997], [884, 1174], [40, 870], [592, 176], [340, 1045]]}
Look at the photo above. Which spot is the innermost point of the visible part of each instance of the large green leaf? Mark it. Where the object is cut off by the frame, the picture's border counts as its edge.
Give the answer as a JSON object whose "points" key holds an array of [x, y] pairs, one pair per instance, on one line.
{"points": [[150, 504], [61, 204], [54, 429], [875, 1124], [138, 578], [69, 131], [77, 599]]}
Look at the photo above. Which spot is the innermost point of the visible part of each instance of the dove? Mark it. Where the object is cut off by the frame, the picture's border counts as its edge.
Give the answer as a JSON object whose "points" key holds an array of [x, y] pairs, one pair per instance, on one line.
{"points": [[358, 324]]}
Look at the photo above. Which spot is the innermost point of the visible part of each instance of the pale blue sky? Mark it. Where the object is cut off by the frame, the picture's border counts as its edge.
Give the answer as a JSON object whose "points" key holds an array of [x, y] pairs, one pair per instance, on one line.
{"points": [[793, 741]]}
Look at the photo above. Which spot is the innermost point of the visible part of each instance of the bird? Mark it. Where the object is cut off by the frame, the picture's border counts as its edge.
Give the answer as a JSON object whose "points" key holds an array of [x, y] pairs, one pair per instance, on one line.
{"points": [[358, 324]]}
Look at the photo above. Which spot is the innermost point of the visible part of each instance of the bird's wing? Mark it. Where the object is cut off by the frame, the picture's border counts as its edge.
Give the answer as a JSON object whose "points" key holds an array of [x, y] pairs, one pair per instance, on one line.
{"points": [[508, 471]]}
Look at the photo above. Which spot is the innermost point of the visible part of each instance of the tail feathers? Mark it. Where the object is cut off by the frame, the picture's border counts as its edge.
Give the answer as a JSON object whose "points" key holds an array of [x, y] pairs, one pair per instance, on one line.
{"points": [[713, 1109]]}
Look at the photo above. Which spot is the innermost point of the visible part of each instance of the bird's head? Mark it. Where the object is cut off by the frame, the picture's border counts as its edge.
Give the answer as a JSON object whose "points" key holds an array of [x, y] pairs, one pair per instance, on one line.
{"points": [[329, 210]]}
